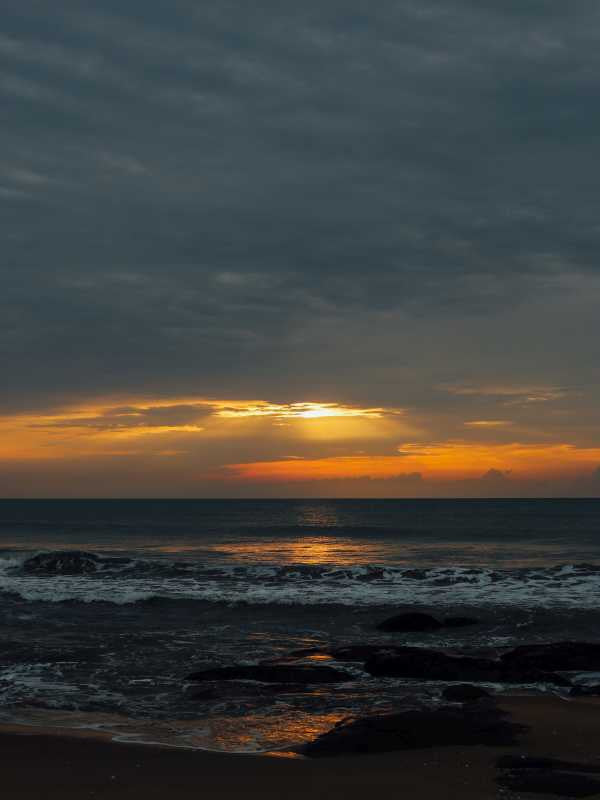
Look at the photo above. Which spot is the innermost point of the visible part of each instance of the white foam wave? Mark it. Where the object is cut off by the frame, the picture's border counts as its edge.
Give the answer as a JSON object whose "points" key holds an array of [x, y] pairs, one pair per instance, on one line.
{"points": [[570, 586]]}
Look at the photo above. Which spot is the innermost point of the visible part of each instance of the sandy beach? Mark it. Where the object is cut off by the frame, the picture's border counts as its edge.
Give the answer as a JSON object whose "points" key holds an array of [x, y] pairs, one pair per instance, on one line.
{"points": [[48, 764]]}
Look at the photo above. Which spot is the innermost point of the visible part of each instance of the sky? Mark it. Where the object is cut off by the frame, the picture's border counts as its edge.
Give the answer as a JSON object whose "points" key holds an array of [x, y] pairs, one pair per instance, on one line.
{"points": [[323, 249]]}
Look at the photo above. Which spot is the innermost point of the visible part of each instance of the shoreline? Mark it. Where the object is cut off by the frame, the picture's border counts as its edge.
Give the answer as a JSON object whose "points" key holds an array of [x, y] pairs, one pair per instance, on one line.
{"points": [[58, 762]]}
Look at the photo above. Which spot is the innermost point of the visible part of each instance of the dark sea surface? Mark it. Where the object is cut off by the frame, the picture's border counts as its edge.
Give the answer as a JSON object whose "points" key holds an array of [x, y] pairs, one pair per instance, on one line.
{"points": [[170, 587]]}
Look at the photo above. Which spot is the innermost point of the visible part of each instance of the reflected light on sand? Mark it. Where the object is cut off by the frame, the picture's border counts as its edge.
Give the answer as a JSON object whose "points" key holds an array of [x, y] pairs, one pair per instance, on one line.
{"points": [[248, 733], [267, 732]]}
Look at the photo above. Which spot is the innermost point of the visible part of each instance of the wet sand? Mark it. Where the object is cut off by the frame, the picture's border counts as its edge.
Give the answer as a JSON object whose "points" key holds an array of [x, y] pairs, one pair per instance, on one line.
{"points": [[55, 765]]}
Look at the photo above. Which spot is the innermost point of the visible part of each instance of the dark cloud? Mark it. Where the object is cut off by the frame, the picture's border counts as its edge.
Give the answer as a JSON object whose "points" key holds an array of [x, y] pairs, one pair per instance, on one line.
{"points": [[131, 417], [495, 475], [314, 201]]}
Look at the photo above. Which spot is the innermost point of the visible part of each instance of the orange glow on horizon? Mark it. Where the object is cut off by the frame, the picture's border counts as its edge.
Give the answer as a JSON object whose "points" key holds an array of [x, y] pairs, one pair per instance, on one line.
{"points": [[451, 460], [327, 441]]}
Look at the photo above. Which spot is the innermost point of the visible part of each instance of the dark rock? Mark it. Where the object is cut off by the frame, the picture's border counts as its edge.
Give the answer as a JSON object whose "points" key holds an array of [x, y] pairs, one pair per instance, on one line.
{"points": [[417, 729], [434, 665], [273, 673], [68, 562], [421, 662], [548, 776], [410, 623], [585, 691], [415, 574], [459, 622], [556, 655], [465, 693], [539, 762], [515, 674], [564, 784]]}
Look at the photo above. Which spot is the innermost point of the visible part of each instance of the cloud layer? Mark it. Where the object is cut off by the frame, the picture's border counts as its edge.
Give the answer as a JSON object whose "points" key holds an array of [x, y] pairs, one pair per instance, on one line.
{"points": [[392, 208]]}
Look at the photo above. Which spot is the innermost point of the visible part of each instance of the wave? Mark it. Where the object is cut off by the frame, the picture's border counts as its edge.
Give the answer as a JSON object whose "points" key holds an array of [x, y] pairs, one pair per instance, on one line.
{"points": [[123, 580]]}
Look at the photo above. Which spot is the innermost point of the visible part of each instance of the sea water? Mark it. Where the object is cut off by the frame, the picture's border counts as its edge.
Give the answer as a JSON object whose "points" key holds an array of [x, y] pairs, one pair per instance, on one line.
{"points": [[172, 587]]}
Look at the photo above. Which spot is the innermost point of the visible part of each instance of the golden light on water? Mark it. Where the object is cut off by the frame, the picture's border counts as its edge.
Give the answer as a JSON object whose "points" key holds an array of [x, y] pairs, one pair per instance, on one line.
{"points": [[309, 550]]}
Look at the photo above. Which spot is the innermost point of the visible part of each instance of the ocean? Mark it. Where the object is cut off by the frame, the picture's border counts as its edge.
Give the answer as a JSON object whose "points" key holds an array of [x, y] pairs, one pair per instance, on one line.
{"points": [[162, 588]]}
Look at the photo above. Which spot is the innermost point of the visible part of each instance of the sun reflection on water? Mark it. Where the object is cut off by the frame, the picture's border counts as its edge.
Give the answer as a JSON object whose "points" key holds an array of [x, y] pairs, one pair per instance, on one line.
{"points": [[310, 550]]}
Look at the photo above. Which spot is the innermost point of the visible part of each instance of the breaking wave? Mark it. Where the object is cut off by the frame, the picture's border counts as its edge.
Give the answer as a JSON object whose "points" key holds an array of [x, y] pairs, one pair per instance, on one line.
{"points": [[89, 577]]}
